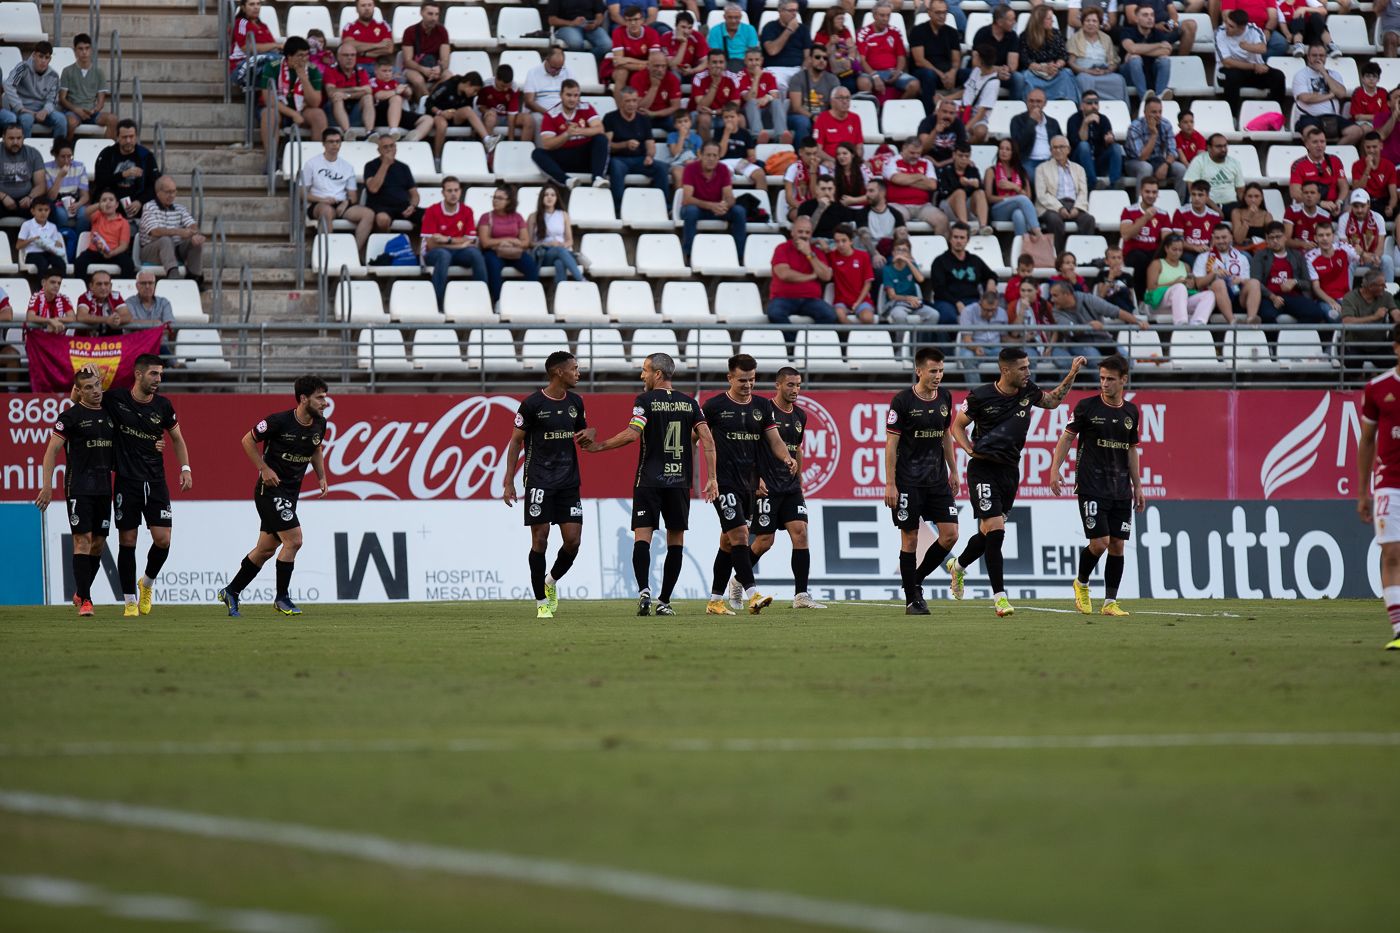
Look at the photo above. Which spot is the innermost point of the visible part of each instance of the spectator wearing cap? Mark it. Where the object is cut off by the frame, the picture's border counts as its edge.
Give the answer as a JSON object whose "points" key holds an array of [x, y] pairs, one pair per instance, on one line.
{"points": [[22, 178], [169, 234], [1364, 230], [582, 25], [32, 92]]}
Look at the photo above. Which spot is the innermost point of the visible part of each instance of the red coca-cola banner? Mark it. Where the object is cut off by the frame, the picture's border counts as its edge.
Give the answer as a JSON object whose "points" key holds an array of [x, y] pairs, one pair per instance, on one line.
{"points": [[1195, 445]]}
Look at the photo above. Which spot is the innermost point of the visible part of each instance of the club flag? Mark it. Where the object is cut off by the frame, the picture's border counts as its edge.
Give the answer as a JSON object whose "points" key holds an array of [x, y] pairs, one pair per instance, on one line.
{"points": [[54, 358]]}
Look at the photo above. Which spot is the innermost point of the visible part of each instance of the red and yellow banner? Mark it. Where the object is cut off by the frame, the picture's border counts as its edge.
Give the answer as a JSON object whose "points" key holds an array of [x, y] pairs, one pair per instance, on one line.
{"points": [[54, 358]]}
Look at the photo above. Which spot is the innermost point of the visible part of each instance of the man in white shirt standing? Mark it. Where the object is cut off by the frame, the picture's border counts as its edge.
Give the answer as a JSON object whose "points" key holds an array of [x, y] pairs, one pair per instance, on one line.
{"points": [[330, 189]]}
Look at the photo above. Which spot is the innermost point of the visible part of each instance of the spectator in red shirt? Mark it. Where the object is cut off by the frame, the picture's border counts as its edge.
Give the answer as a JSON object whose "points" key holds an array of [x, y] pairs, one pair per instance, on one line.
{"points": [[658, 89], [1376, 174], [686, 50], [632, 44], [758, 90], [1141, 230], [1369, 105], [711, 89], [1300, 220], [449, 238], [1330, 267], [48, 308], [800, 274], [837, 125], [885, 56], [1320, 166], [1189, 143], [426, 49], [572, 139], [371, 37], [347, 90], [853, 273], [708, 194], [246, 24], [499, 103]]}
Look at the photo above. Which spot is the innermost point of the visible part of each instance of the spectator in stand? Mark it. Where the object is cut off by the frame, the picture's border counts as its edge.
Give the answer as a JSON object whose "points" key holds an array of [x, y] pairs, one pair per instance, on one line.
{"points": [[853, 276], [758, 91], [734, 37], [1029, 313], [1330, 267], [852, 176], [449, 238], [291, 95], [1000, 36], [553, 235], [1094, 59], [1151, 146], [710, 91], [392, 192], [505, 241], [843, 60], [102, 310], [800, 274], [247, 24], [1195, 221], [170, 236], [825, 211], [1044, 59], [1370, 312], [960, 193], [1086, 314], [979, 97], [49, 308], [500, 106], [31, 92], [1115, 283], [651, 11], [632, 148], [22, 178], [1264, 14], [708, 188], [879, 223], [941, 132], [1146, 48], [1305, 25], [1301, 219], [39, 243], [1389, 130], [840, 125], [936, 46], [632, 43], [1285, 284], [1224, 266], [686, 49], [147, 308], [582, 25], [885, 59], [452, 103], [785, 43], [683, 147], [1318, 165], [1062, 194], [976, 342], [572, 140], [1368, 102], [958, 277], [1250, 219], [1180, 33], [543, 83], [1067, 270], [1141, 230], [371, 37], [1025, 270], [321, 57], [1032, 132], [902, 283], [1008, 190], [391, 104], [331, 195], [67, 189], [347, 93], [913, 183], [1171, 286], [83, 90], [1388, 25], [1240, 47], [1189, 143], [737, 152], [109, 242], [1375, 174], [1221, 172], [1319, 95], [1364, 231], [426, 50], [1093, 144], [800, 178], [658, 90], [809, 92]]}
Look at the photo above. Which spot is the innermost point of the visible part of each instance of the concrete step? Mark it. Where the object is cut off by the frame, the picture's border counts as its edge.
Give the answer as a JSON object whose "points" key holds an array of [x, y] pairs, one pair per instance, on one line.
{"points": [[248, 186], [175, 91], [212, 137], [234, 168], [204, 49], [160, 66], [187, 116], [282, 305], [264, 256], [167, 25]]}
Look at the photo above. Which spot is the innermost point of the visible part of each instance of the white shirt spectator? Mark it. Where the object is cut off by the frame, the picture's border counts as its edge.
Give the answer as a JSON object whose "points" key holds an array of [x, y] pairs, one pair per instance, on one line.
{"points": [[1228, 46], [545, 86], [1308, 81], [1041, 150], [47, 238], [981, 90], [1234, 263], [326, 179]]}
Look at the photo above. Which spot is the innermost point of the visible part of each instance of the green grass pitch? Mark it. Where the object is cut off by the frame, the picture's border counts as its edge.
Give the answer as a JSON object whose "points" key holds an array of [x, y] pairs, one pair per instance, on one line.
{"points": [[658, 745]]}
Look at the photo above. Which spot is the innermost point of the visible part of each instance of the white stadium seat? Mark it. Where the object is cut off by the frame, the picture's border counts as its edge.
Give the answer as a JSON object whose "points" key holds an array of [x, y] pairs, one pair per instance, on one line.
{"points": [[685, 303], [523, 303], [1144, 346], [20, 24], [466, 160], [1188, 77], [600, 350], [818, 351], [872, 351], [1302, 351], [766, 346], [1349, 34], [469, 303], [714, 254], [900, 119], [331, 251], [593, 209], [606, 255], [513, 163], [414, 303], [1248, 349], [578, 303], [303, 19], [418, 156], [437, 351], [584, 67], [659, 254], [758, 254], [1193, 351], [469, 28], [468, 61], [357, 302], [381, 350], [632, 303], [375, 248], [739, 302], [183, 295], [200, 349], [405, 15], [708, 350], [649, 340], [538, 344], [513, 24], [645, 209], [491, 350]]}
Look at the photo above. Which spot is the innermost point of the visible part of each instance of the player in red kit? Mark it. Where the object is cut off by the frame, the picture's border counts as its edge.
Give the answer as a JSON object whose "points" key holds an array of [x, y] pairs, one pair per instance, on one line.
{"points": [[1378, 489]]}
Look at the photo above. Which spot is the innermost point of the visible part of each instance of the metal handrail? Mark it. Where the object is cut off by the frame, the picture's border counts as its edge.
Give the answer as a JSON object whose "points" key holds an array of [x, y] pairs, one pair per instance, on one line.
{"points": [[114, 66], [249, 92], [245, 314], [159, 141], [224, 27], [136, 101], [196, 192], [298, 200], [220, 242]]}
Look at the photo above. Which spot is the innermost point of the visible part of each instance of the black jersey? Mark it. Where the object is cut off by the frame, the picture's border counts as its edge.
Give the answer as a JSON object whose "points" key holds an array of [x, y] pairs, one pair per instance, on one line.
{"points": [[1001, 422], [551, 459], [139, 427], [791, 425], [88, 438], [665, 418], [1106, 435], [920, 424], [289, 445], [738, 428]]}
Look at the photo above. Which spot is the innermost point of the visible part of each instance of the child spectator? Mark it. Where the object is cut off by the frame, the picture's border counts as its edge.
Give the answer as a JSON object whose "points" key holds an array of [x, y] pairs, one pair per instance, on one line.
{"points": [[389, 97], [1025, 270], [1115, 283], [1370, 103], [40, 243], [499, 104], [110, 240], [852, 276], [321, 56], [452, 103], [683, 147], [736, 148], [1188, 141], [903, 285]]}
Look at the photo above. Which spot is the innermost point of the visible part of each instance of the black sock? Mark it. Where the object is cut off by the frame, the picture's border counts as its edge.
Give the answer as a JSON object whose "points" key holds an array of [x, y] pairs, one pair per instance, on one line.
{"points": [[247, 571], [724, 565], [933, 558], [743, 565], [671, 570], [284, 577], [992, 558], [907, 573], [972, 551], [801, 568], [126, 568], [155, 559], [1112, 575], [562, 562], [94, 569], [537, 573], [81, 579], [1088, 560], [641, 564]]}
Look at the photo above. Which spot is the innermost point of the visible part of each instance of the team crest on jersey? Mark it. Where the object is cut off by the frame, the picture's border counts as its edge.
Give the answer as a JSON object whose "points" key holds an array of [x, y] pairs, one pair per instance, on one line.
{"points": [[1390, 396], [757, 415], [535, 511], [262, 427], [1090, 522], [73, 521], [802, 510], [942, 411], [573, 412], [519, 420], [986, 505], [892, 417], [1128, 423], [155, 419], [763, 521], [1126, 527], [1025, 402], [902, 515], [315, 440]]}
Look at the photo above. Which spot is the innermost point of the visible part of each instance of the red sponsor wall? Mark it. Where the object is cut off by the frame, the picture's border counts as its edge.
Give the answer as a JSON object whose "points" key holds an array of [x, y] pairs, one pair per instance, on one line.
{"points": [[1195, 445]]}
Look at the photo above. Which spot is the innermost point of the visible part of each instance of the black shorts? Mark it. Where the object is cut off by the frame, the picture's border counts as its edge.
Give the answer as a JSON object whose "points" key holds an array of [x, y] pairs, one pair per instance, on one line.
{"points": [[137, 500], [992, 487], [933, 505], [277, 508], [652, 505], [553, 506], [90, 515], [772, 514], [733, 506], [1106, 518]]}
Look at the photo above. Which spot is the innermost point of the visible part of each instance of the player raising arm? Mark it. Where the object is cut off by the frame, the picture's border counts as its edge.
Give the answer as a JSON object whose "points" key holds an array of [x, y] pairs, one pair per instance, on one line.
{"points": [[1000, 415], [291, 440], [1378, 469], [921, 474], [668, 423], [1107, 479]]}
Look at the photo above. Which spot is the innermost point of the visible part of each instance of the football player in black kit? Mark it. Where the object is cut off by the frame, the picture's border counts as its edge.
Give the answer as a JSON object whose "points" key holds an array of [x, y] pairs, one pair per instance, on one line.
{"points": [[741, 424], [87, 435], [546, 427], [1107, 479], [780, 504], [667, 423], [1000, 414], [291, 440], [921, 473]]}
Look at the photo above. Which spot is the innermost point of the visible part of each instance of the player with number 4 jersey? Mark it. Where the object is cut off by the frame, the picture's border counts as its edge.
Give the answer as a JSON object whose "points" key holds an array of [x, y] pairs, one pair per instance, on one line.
{"points": [[1378, 479]]}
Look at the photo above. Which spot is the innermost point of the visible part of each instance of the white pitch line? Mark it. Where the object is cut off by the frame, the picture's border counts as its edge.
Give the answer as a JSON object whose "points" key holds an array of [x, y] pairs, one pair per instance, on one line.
{"points": [[553, 873]]}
